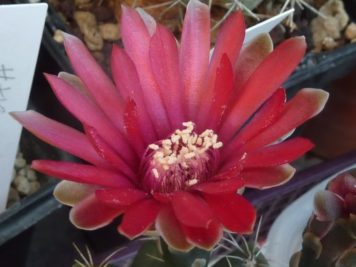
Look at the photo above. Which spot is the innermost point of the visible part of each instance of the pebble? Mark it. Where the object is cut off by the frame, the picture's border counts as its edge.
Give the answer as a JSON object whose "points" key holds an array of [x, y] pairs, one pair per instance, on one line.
{"points": [[20, 162], [58, 36], [89, 28], [109, 31], [23, 186], [24, 181], [350, 32]]}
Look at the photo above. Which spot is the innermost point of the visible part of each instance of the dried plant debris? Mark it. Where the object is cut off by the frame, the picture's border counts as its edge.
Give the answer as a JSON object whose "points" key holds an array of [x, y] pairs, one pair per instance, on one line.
{"points": [[24, 181]]}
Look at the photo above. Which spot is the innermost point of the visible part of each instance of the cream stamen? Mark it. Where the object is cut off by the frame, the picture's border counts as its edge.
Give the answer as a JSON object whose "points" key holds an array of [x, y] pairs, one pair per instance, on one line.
{"points": [[182, 147]]}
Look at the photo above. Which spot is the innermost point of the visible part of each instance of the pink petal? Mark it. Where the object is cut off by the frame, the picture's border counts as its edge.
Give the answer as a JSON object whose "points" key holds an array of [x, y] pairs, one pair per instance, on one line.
{"points": [[94, 78], [204, 238], [194, 54], [264, 178], [278, 154], [220, 187], [250, 57], [119, 197], [136, 40], [131, 122], [139, 217], [127, 80], [149, 21], [80, 173], [75, 82], [306, 104], [191, 210], [170, 229], [229, 41], [90, 214], [59, 135], [269, 75], [263, 118], [164, 64], [87, 112], [70, 193], [106, 152], [233, 211], [213, 109]]}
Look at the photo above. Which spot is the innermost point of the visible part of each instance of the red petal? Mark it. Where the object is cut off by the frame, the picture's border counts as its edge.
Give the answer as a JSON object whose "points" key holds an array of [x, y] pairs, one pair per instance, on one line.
{"points": [[306, 104], [126, 79], [229, 40], [230, 173], [106, 152], [233, 211], [119, 197], [70, 193], [250, 57], [263, 118], [269, 75], [90, 214], [139, 217], [88, 112], [213, 109], [170, 229], [165, 198], [164, 64], [264, 178], [278, 154], [194, 54], [59, 135], [136, 40], [205, 238], [191, 210], [225, 186], [80, 173], [94, 78]]}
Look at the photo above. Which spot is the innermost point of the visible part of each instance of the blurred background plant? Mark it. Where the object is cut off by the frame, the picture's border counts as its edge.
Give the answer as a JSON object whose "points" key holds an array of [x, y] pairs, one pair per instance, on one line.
{"points": [[329, 239]]}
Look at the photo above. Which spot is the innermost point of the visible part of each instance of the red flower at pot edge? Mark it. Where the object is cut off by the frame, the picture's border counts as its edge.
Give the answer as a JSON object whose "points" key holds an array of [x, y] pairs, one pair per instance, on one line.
{"points": [[178, 133]]}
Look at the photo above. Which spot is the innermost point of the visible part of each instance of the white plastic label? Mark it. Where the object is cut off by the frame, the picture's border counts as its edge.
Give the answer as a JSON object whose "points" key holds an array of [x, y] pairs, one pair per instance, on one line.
{"points": [[21, 28], [266, 26]]}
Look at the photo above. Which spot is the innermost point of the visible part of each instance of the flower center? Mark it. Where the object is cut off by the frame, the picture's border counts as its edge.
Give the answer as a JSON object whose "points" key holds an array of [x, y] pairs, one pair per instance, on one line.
{"points": [[180, 161]]}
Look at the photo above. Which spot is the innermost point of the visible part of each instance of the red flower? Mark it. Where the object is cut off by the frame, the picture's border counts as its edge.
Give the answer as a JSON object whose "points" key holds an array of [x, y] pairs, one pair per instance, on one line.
{"points": [[170, 144]]}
